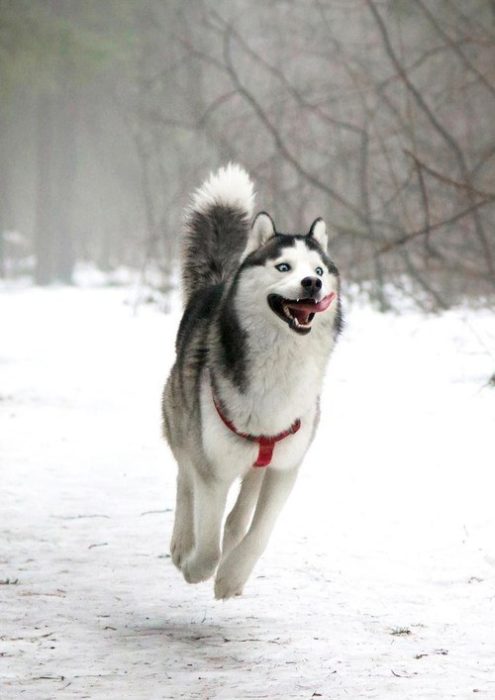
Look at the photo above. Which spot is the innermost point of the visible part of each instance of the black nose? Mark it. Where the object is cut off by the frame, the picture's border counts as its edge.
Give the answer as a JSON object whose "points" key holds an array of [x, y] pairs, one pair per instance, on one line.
{"points": [[311, 284]]}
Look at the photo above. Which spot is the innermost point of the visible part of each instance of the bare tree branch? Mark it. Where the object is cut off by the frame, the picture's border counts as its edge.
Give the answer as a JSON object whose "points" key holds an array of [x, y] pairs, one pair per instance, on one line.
{"points": [[446, 179], [440, 129], [455, 47], [433, 227], [275, 134]]}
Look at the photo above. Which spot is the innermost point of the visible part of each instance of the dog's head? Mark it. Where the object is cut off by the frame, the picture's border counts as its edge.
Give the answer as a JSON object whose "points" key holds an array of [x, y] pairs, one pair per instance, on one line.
{"points": [[289, 277]]}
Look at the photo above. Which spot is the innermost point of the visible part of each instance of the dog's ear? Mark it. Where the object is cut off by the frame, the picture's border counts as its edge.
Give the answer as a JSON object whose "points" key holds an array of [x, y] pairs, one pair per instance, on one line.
{"points": [[262, 229], [318, 231]]}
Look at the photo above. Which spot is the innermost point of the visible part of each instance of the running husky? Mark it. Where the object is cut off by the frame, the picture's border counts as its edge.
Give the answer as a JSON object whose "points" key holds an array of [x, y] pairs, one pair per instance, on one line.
{"points": [[262, 316]]}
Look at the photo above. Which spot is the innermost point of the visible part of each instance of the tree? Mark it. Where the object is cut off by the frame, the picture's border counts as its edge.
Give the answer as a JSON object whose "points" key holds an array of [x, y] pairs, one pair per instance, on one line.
{"points": [[52, 49]]}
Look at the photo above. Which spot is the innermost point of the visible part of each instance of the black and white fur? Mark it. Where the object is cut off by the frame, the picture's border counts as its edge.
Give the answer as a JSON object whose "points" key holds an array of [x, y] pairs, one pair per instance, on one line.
{"points": [[266, 371]]}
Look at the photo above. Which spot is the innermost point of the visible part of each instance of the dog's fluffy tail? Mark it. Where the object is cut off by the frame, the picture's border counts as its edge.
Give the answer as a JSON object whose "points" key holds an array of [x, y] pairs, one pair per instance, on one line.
{"points": [[217, 226]]}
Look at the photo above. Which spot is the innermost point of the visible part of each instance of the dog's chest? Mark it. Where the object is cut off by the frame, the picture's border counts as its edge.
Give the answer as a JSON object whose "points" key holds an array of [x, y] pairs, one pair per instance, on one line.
{"points": [[283, 384], [231, 455]]}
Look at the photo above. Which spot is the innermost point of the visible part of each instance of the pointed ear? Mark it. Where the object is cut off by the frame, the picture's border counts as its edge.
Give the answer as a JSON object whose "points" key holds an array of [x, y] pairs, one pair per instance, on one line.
{"points": [[318, 231], [262, 229]]}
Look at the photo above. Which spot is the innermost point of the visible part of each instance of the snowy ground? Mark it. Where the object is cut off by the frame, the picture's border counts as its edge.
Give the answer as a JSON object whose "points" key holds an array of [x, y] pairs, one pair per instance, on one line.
{"points": [[378, 583]]}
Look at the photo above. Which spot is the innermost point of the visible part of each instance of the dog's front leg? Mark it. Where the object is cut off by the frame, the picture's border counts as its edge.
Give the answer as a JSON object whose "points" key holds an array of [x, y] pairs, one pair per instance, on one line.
{"points": [[210, 496], [236, 568], [240, 516], [183, 535]]}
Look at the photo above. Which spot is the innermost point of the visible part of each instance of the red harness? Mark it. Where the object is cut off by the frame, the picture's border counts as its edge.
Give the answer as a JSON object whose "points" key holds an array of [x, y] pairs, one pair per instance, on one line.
{"points": [[266, 444]]}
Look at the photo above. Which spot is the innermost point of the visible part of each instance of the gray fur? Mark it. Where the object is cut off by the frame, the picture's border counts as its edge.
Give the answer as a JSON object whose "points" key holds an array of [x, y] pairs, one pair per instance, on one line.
{"points": [[213, 243]]}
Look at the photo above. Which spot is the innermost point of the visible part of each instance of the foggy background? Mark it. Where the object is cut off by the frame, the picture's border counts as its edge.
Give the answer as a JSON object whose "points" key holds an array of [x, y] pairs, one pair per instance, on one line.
{"points": [[377, 115]]}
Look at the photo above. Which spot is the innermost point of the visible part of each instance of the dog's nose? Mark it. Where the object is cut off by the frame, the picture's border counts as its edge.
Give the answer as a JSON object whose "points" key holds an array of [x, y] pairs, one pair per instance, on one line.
{"points": [[311, 284]]}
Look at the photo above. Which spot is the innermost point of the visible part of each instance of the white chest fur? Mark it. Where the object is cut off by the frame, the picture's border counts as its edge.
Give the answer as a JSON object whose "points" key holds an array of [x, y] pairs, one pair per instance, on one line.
{"points": [[284, 376], [231, 455]]}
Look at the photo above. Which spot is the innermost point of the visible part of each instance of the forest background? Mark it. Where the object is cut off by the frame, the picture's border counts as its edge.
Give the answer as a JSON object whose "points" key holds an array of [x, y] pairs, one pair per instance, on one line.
{"points": [[376, 114]]}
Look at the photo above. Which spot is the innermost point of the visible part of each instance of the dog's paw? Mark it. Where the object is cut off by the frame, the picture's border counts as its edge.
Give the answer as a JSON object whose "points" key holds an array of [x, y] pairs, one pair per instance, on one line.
{"points": [[235, 569], [179, 549], [197, 568], [232, 575], [226, 587]]}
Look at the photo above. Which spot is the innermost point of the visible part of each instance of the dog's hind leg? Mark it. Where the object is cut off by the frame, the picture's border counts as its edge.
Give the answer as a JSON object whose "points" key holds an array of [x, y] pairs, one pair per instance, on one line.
{"points": [[210, 496], [240, 516], [236, 568], [183, 535]]}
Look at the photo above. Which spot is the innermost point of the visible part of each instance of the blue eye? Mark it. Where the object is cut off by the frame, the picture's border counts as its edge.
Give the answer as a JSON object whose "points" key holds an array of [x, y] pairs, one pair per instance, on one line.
{"points": [[283, 267], [319, 271]]}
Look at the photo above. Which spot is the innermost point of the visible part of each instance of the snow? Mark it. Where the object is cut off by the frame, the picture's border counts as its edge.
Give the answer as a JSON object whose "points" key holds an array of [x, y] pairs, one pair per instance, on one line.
{"points": [[379, 579]]}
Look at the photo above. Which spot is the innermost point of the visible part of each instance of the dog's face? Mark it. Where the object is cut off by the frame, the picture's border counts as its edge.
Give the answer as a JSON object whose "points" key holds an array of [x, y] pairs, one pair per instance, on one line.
{"points": [[289, 279]]}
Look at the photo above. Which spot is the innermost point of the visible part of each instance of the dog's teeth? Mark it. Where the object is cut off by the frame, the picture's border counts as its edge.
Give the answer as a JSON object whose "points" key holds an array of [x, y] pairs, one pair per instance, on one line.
{"points": [[286, 311]]}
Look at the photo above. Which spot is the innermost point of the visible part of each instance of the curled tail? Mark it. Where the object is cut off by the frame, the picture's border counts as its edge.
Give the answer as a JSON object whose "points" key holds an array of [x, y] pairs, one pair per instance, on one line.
{"points": [[217, 226]]}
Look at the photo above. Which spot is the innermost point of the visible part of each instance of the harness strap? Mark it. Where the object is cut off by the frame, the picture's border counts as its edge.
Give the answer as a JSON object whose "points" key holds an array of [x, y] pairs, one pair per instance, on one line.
{"points": [[266, 443]]}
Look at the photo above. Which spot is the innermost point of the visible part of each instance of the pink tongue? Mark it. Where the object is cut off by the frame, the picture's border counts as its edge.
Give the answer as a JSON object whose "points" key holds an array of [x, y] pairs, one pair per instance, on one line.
{"points": [[313, 308]]}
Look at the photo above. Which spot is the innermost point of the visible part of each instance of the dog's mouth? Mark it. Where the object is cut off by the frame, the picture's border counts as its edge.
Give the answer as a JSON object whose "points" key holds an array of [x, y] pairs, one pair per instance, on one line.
{"points": [[298, 313]]}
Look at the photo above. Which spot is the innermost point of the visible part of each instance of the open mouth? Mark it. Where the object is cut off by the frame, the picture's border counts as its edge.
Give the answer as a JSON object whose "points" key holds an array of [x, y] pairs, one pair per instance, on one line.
{"points": [[298, 313]]}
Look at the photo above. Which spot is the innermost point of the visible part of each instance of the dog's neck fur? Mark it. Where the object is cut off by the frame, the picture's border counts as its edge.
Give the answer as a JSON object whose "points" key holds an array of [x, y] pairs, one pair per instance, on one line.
{"points": [[283, 378]]}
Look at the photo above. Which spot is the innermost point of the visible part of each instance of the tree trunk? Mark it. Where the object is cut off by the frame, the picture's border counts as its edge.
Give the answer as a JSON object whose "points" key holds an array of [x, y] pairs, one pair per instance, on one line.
{"points": [[56, 170], [44, 234], [66, 120]]}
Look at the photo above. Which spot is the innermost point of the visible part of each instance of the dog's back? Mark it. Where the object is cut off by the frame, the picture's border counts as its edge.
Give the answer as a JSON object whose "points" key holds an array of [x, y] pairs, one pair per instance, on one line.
{"points": [[217, 226]]}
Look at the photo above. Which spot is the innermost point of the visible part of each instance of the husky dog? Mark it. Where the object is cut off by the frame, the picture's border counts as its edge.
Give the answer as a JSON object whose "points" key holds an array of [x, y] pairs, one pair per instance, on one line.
{"points": [[242, 401]]}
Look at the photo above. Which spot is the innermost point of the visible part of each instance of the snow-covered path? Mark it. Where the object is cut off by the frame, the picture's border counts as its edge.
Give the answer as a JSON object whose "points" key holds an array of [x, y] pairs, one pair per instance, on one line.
{"points": [[378, 583]]}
